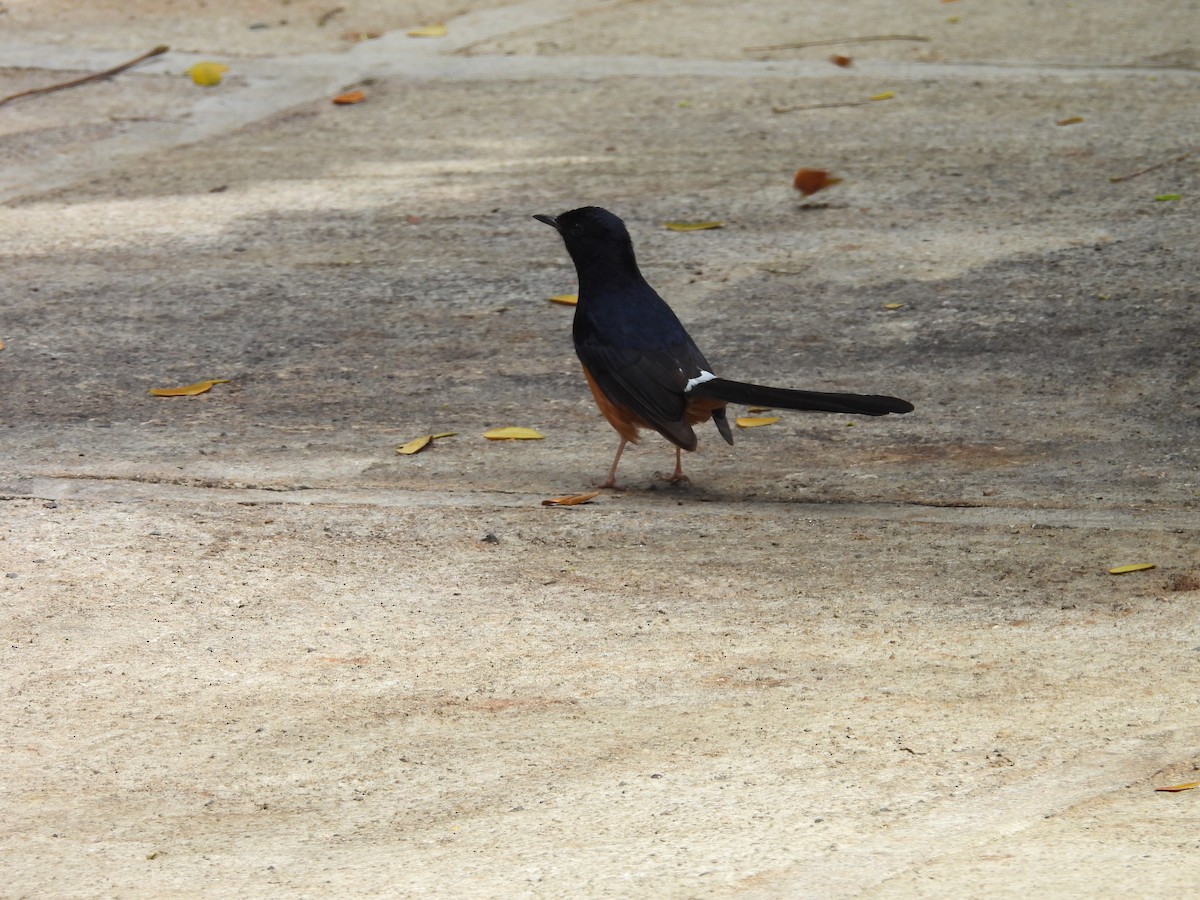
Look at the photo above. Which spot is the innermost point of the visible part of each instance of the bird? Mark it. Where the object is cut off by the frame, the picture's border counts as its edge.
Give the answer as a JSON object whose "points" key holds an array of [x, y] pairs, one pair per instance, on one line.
{"points": [[643, 368]]}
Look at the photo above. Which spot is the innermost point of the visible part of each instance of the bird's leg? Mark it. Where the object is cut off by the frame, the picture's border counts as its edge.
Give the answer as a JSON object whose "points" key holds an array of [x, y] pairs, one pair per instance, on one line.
{"points": [[676, 477], [611, 480]]}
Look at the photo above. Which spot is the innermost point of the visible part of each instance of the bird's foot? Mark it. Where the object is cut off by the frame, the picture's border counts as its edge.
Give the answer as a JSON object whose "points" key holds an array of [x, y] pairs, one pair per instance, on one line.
{"points": [[676, 479], [612, 486]]}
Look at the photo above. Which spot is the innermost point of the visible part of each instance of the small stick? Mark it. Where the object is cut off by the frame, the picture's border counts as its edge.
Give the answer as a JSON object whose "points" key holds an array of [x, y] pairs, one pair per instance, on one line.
{"points": [[1116, 179], [832, 41], [157, 51], [788, 109], [329, 14]]}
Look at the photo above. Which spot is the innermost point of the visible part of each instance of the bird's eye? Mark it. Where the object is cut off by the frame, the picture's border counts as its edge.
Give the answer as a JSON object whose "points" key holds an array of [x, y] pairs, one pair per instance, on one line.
{"points": [[577, 229]]}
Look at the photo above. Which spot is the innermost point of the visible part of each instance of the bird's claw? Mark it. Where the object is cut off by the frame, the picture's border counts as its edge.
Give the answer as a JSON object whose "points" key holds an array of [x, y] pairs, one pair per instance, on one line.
{"points": [[675, 478]]}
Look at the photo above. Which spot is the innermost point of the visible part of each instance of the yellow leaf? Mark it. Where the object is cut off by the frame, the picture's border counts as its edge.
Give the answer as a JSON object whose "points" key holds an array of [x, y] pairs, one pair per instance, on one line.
{"points": [[416, 445], [758, 409], [893, 306], [1125, 570], [691, 226], [188, 390], [207, 74], [565, 299], [886, 95], [1073, 120], [513, 433], [438, 30], [755, 421], [572, 500], [1176, 788]]}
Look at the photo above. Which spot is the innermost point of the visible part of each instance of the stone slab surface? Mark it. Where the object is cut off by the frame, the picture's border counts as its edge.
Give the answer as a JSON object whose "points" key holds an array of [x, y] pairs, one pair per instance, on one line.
{"points": [[250, 651]]}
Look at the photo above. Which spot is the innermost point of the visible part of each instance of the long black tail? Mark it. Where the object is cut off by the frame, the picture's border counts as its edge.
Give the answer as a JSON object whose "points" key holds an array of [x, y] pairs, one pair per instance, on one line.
{"points": [[761, 395]]}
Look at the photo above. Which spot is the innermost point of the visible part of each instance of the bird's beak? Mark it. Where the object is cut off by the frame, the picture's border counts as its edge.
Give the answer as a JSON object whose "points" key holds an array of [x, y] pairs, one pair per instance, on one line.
{"points": [[549, 220]]}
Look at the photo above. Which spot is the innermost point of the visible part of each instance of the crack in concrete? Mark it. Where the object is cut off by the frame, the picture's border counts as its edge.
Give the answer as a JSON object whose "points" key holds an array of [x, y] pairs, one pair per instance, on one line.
{"points": [[121, 489]]}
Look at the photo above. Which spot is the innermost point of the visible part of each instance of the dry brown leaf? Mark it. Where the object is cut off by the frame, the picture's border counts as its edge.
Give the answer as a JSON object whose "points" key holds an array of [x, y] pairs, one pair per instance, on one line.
{"points": [[188, 390], [349, 97], [755, 421], [809, 181], [691, 226], [513, 433], [565, 299], [572, 500], [844, 61], [1074, 120]]}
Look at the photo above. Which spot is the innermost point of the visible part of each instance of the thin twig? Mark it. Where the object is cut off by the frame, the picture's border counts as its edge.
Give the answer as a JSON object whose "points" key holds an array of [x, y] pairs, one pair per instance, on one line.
{"points": [[329, 14], [1116, 179], [157, 51], [833, 41], [788, 109]]}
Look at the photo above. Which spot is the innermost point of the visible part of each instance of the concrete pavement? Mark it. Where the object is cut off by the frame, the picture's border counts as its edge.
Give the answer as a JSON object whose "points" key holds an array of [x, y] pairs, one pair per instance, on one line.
{"points": [[252, 651]]}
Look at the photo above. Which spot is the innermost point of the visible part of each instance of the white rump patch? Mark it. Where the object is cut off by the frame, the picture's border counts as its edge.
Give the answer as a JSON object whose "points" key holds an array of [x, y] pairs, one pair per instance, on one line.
{"points": [[699, 379]]}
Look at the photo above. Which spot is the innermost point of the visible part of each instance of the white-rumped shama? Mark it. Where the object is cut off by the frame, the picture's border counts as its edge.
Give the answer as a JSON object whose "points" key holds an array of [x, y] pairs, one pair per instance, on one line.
{"points": [[644, 369]]}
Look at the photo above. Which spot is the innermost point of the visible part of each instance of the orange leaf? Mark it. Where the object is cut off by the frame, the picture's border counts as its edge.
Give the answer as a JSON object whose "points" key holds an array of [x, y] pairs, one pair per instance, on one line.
{"points": [[809, 181], [844, 61], [1176, 788], [188, 390], [349, 97], [572, 500]]}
